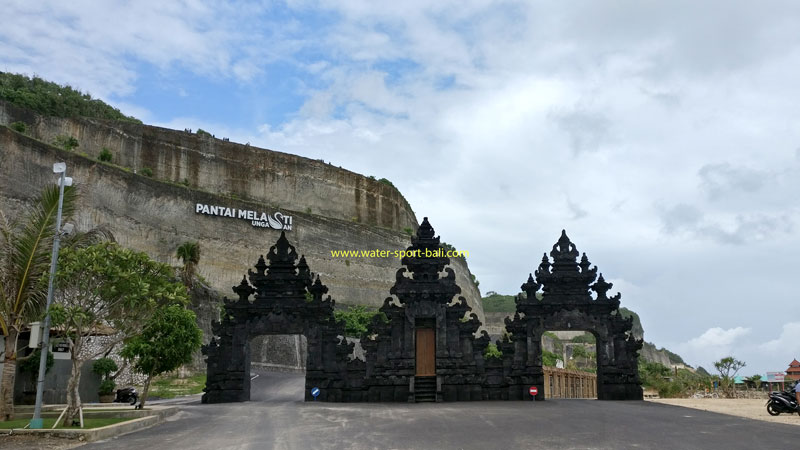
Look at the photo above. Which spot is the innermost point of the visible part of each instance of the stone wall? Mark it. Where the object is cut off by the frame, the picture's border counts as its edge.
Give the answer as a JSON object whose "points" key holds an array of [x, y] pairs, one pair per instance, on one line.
{"points": [[273, 178]]}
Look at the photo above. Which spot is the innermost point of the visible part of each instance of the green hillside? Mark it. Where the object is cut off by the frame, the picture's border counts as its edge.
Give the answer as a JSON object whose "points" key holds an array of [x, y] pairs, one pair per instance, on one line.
{"points": [[494, 302], [48, 98]]}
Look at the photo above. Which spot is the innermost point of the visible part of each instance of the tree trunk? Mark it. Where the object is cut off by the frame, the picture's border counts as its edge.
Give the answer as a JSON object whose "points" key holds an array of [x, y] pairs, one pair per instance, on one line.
{"points": [[73, 396], [9, 372], [145, 391]]}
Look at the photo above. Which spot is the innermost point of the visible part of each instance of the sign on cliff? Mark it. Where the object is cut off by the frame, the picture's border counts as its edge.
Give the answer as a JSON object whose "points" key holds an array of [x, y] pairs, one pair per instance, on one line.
{"points": [[276, 221]]}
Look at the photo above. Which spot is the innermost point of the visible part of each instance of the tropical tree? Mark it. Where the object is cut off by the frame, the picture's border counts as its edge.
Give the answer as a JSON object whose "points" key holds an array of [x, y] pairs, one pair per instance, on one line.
{"points": [[25, 253], [756, 380], [189, 253], [728, 367], [104, 288], [167, 342]]}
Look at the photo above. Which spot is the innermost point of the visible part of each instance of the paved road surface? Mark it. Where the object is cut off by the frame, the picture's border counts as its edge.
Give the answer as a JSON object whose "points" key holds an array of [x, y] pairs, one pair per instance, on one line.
{"points": [[276, 419]]}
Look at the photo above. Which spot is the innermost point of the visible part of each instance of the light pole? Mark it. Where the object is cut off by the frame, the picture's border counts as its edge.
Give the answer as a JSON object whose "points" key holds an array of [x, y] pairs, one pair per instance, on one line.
{"points": [[64, 180]]}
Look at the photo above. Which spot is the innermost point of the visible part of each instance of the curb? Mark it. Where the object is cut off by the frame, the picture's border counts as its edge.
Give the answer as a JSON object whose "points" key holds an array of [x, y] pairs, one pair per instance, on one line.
{"points": [[95, 434]]}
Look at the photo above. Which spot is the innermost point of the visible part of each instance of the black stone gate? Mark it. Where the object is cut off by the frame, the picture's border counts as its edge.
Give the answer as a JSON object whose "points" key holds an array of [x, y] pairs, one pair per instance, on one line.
{"points": [[423, 347], [567, 304], [286, 301]]}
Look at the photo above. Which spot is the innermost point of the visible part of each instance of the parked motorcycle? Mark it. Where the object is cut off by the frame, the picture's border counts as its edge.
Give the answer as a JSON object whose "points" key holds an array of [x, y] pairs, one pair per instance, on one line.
{"points": [[127, 395], [782, 402]]}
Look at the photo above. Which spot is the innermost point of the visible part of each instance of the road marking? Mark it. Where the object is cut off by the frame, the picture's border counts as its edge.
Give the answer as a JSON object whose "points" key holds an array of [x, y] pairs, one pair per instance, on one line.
{"points": [[253, 377]]}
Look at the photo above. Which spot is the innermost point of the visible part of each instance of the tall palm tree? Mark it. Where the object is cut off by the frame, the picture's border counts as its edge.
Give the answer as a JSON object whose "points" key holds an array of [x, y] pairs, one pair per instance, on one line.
{"points": [[189, 253], [25, 251]]}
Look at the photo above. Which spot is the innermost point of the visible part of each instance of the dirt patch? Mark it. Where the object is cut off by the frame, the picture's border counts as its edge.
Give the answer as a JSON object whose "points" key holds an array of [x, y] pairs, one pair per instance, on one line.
{"points": [[742, 407], [27, 442]]}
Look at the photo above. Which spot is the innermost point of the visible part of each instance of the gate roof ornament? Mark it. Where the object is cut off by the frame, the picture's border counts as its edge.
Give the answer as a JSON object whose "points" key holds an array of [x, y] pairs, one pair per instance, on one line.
{"points": [[565, 280], [425, 260]]}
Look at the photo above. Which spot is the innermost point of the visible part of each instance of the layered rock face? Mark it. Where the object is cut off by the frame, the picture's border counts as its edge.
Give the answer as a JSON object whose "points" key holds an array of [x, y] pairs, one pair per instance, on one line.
{"points": [[228, 168], [155, 215]]}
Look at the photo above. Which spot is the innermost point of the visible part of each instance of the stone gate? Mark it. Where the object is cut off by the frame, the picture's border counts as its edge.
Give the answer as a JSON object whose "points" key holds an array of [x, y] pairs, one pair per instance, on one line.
{"points": [[567, 304], [424, 345]]}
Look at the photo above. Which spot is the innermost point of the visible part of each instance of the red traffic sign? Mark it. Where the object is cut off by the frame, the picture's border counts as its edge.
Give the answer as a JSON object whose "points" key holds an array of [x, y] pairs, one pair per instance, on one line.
{"points": [[534, 390]]}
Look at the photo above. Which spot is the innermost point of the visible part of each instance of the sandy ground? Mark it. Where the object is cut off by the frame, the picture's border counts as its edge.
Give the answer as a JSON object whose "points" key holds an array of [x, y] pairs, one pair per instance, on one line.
{"points": [[742, 407]]}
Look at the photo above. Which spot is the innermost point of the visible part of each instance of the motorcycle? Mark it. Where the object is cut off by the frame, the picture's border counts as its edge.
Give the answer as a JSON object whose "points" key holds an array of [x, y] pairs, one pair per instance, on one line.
{"points": [[127, 395], [782, 402]]}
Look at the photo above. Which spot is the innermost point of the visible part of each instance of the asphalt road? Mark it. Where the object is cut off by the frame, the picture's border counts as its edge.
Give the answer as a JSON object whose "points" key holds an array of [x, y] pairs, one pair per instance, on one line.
{"points": [[277, 419]]}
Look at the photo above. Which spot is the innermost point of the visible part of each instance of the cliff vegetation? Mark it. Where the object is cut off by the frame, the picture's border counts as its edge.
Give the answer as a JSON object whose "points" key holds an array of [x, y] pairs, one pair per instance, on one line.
{"points": [[48, 98]]}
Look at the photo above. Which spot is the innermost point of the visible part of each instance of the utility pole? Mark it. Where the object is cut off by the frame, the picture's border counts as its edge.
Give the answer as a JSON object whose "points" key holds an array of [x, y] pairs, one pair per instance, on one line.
{"points": [[64, 180]]}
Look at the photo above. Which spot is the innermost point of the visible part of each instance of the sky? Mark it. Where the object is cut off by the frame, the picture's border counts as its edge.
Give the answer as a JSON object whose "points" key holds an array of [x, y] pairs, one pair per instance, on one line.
{"points": [[663, 136]]}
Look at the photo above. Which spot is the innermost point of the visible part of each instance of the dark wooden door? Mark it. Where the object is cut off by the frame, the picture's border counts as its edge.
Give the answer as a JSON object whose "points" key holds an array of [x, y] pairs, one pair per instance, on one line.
{"points": [[426, 352]]}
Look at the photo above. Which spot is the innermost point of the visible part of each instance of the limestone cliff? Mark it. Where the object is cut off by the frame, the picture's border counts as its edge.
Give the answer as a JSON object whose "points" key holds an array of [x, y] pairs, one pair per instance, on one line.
{"points": [[156, 215], [227, 168]]}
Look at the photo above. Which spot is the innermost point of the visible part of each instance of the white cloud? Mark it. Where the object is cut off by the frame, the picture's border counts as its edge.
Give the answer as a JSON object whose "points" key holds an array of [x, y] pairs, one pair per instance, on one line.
{"points": [[713, 344], [718, 337], [787, 343]]}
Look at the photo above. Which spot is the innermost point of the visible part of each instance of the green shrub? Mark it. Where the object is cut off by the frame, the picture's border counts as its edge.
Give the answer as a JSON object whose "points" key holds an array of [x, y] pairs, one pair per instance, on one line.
{"points": [[105, 155], [104, 367], [19, 127], [66, 142], [409, 231], [356, 319], [492, 352], [30, 366], [549, 358], [107, 387], [386, 182], [202, 132], [146, 171]]}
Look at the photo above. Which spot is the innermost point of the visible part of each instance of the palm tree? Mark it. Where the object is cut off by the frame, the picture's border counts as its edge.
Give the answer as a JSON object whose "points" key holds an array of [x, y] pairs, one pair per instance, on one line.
{"points": [[189, 253], [25, 252]]}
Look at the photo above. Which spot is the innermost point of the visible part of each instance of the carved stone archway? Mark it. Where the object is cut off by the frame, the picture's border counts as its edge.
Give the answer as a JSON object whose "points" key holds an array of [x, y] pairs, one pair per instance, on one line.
{"points": [[286, 301], [567, 303]]}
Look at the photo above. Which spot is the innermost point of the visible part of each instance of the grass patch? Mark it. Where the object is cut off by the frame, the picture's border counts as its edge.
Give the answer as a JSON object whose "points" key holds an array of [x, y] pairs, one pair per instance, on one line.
{"points": [[48, 423], [171, 387]]}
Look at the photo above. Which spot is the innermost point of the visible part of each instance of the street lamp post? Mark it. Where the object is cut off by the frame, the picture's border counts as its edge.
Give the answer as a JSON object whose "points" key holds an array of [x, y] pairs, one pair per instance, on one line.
{"points": [[64, 180]]}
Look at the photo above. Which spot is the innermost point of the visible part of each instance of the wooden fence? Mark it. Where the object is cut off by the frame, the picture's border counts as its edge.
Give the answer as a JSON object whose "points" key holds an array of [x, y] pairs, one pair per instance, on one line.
{"points": [[563, 383]]}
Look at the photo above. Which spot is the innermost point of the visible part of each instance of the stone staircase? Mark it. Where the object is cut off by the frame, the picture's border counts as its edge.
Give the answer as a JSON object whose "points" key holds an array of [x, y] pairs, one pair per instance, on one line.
{"points": [[425, 389]]}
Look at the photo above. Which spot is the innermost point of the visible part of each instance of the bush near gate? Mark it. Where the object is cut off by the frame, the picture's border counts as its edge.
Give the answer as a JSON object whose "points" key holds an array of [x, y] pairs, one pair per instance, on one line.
{"points": [[356, 319]]}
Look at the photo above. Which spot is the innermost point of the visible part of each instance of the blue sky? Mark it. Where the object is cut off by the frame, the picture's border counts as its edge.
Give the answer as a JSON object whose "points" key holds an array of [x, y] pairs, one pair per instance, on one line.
{"points": [[664, 136]]}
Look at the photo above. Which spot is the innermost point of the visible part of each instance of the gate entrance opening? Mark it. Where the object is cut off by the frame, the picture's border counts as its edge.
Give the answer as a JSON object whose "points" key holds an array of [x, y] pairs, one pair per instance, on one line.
{"points": [[569, 364], [279, 352]]}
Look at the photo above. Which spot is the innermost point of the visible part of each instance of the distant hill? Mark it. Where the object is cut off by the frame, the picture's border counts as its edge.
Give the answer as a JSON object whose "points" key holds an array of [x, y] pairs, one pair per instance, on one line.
{"points": [[499, 303], [494, 302], [48, 98]]}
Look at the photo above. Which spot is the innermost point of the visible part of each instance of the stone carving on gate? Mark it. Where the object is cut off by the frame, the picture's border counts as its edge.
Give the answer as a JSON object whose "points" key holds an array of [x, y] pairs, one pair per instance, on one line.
{"points": [[288, 299]]}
